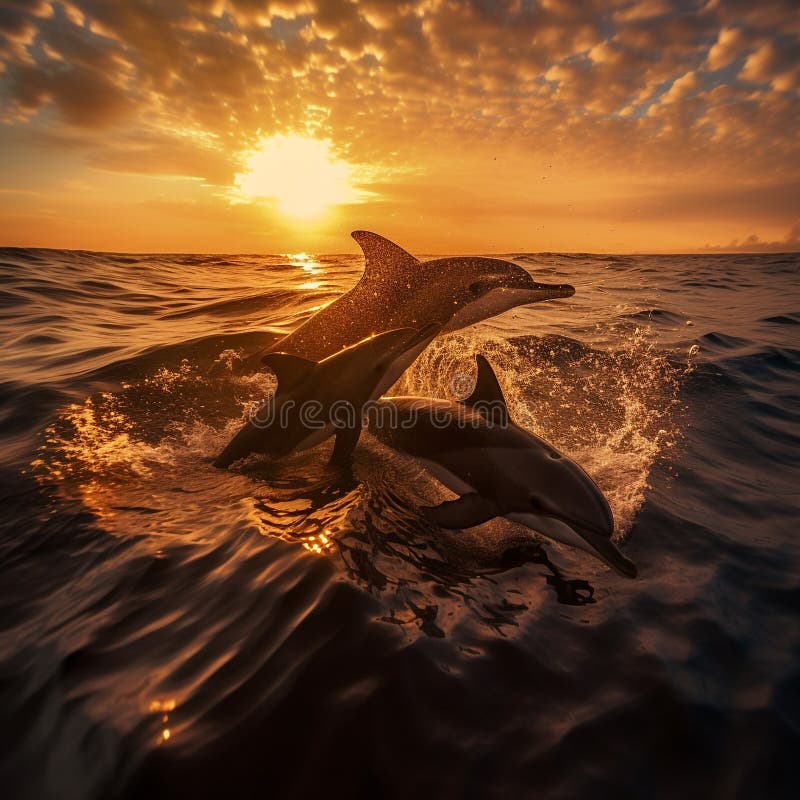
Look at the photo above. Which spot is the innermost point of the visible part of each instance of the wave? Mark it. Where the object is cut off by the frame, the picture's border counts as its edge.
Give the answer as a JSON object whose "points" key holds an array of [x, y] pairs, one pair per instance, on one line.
{"points": [[784, 319], [658, 315], [165, 623], [245, 304]]}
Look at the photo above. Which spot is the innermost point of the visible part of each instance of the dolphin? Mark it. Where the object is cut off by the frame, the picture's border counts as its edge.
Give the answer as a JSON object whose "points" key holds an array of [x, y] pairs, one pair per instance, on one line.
{"points": [[498, 469], [315, 400], [399, 291]]}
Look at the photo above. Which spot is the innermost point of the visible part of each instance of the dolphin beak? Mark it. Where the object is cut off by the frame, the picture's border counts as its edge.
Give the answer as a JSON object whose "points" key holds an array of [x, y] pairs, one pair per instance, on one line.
{"points": [[607, 551], [549, 291], [535, 292], [595, 541]]}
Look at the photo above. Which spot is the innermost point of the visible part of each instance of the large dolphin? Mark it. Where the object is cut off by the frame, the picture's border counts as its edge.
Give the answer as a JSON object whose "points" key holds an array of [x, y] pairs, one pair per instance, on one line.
{"points": [[315, 400], [399, 291], [498, 469]]}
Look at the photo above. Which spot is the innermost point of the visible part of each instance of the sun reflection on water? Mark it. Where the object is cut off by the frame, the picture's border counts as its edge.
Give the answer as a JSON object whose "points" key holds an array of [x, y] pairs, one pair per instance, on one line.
{"points": [[166, 707], [304, 260], [310, 265], [318, 544]]}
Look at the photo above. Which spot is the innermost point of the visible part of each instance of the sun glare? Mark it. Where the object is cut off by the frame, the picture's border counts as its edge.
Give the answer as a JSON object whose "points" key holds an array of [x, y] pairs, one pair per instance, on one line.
{"points": [[302, 175]]}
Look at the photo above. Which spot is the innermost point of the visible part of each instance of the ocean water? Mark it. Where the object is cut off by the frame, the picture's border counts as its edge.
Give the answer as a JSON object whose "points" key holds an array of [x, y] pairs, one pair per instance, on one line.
{"points": [[288, 630]]}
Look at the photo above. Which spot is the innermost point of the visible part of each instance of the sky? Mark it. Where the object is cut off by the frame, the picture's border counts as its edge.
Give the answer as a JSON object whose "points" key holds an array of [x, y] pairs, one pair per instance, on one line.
{"points": [[450, 126]]}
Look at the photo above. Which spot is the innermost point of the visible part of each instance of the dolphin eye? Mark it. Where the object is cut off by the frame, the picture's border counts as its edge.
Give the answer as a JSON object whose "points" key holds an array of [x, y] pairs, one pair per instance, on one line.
{"points": [[535, 500], [555, 455]]}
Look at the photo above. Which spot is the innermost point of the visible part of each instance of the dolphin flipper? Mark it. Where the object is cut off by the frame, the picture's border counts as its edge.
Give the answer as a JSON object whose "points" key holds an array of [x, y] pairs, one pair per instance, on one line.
{"points": [[465, 512], [346, 441]]}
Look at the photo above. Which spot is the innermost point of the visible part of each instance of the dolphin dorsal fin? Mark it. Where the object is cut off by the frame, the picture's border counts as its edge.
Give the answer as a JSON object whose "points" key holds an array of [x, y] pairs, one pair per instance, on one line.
{"points": [[487, 389], [382, 256], [288, 369]]}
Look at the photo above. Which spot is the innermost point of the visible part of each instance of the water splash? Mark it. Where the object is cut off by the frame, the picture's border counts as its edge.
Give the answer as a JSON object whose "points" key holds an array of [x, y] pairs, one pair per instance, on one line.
{"points": [[138, 460], [613, 411]]}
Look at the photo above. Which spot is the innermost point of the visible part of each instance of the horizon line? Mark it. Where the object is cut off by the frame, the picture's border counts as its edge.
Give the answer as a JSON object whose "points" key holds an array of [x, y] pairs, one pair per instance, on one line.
{"points": [[698, 252]]}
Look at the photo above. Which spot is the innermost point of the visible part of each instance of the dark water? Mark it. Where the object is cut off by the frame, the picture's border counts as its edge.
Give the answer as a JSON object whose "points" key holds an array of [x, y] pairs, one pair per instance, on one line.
{"points": [[288, 630]]}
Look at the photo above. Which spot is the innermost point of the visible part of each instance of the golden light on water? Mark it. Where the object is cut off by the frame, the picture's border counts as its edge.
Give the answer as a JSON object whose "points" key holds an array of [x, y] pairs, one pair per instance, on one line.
{"points": [[301, 174], [307, 262], [164, 706], [318, 544], [309, 265]]}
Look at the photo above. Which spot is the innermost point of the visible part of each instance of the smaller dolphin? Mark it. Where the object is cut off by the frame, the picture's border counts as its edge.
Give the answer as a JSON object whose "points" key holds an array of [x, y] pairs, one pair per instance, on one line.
{"points": [[315, 400], [399, 291], [499, 469]]}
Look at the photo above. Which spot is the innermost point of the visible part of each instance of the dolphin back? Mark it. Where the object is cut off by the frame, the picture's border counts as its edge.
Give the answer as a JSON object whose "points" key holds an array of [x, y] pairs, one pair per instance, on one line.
{"points": [[398, 290]]}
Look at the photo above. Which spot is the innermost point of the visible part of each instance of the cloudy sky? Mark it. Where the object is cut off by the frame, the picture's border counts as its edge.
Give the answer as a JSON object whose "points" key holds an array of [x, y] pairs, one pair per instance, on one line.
{"points": [[448, 125]]}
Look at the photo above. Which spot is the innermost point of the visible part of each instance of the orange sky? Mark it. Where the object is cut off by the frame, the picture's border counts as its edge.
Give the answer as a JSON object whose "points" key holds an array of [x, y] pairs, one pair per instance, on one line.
{"points": [[450, 126]]}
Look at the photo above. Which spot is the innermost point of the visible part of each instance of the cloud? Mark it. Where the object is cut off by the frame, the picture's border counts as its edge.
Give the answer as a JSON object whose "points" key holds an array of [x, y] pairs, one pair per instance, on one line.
{"points": [[165, 154], [242, 68], [752, 244], [681, 88], [84, 97], [773, 63], [690, 94], [647, 9], [730, 43]]}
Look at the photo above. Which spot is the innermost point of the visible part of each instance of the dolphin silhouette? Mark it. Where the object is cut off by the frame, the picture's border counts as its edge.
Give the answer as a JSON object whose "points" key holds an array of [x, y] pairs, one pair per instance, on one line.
{"points": [[399, 291], [315, 400], [498, 469]]}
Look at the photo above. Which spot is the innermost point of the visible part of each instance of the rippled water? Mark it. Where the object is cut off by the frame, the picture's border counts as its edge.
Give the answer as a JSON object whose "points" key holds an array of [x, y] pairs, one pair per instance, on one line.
{"points": [[294, 630]]}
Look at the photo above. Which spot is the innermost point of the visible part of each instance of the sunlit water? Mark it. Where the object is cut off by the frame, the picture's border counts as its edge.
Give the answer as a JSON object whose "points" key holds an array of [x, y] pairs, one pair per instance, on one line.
{"points": [[288, 629]]}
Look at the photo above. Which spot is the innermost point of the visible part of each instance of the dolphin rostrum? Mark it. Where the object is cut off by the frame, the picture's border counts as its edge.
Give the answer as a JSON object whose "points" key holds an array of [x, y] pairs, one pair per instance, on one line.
{"points": [[399, 291], [498, 469], [315, 400]]}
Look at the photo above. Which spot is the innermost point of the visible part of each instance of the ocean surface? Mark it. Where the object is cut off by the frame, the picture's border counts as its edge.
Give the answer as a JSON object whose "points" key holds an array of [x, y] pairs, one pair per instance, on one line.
{"points": [[287, 630]]}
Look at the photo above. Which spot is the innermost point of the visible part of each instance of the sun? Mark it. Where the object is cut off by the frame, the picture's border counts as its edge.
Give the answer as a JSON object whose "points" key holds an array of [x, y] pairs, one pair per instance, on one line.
{"points": [[301, 174]]}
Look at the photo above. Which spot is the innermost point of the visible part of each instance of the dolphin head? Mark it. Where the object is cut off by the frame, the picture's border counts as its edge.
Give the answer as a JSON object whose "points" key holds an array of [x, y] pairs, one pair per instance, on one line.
{"points": [[494, 273], [566, 505], [482, 287], [456, 291], [373, 362]]}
